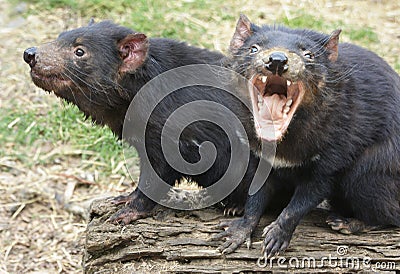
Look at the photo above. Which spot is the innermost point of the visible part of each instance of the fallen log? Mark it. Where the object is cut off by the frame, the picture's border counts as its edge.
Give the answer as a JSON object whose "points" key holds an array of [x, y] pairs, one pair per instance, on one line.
{"points": [[179, 242]]}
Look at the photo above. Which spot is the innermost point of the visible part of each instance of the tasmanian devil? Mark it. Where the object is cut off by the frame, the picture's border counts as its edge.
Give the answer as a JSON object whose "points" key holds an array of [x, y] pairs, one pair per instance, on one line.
{"points": [[102, 66], [334, 112]]}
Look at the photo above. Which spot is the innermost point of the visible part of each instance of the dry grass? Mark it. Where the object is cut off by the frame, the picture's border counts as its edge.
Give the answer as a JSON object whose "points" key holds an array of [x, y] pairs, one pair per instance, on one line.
{"points": [[43, 207]]}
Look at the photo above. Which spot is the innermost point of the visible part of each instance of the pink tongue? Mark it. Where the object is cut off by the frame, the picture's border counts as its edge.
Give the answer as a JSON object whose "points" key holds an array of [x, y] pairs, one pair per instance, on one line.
{"points": [[270, 117], [272, 107]]}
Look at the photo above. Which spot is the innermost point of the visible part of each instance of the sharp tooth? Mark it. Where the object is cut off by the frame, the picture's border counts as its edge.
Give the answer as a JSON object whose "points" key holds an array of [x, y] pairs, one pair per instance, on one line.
{"points": [[264, 79], [285, 115], [260, 101], [289, 102], [288, 82], [286, 110]]}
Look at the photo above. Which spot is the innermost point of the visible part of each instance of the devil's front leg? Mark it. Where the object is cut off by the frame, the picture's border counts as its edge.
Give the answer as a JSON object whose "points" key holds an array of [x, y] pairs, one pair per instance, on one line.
{"points": [[138, 204], [125, 199], [238, 231], [306, 197]]}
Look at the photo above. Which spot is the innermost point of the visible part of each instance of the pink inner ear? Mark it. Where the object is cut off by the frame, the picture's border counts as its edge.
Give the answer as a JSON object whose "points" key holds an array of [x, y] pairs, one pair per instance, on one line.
{"points": [[133, 50], [242, 32], [332, 45]]}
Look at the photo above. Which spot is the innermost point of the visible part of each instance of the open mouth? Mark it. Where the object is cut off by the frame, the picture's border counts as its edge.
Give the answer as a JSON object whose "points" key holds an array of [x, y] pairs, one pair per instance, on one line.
{"points": [[275, 100]]}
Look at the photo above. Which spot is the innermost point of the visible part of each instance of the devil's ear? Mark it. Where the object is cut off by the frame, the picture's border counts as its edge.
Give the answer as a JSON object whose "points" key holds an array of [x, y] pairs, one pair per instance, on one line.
{"points": [[243, 31], [91, 22], [332, 45], [133, 51]]}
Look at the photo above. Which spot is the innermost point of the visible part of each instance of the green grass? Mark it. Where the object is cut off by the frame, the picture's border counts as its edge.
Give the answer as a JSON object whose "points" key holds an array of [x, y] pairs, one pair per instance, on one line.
{"points": [[84, 6], [156, 18], [362, 36], [22, 132], [169, 18], [397, 66], [304, 20]]}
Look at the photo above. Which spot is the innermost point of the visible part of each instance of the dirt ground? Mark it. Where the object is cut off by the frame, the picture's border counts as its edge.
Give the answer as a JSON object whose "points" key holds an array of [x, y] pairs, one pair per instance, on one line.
{"points": [[42, 208]]}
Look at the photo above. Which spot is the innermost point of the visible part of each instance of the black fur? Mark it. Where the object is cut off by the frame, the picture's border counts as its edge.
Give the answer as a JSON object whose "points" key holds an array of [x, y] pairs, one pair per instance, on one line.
{"points": [[111, 94], [103, 90], [343, 141]]}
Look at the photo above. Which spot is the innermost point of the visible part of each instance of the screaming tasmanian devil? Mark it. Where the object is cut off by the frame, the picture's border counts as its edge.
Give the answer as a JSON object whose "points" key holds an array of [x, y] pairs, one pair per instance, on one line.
{"points": [[335, 112]]}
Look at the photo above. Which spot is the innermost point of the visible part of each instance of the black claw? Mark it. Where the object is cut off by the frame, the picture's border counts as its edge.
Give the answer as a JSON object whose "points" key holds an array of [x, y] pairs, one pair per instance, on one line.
{"points": [[276, 240], [269, 243], [219, 236], [284, 246], [275, 249], [237, 232], [229, 249], [224, 247]]}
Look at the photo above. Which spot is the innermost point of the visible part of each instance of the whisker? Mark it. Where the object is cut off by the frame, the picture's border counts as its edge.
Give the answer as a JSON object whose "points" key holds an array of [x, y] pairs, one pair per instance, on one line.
{"points": [[91, 86], [75, 73], [79, 88]]}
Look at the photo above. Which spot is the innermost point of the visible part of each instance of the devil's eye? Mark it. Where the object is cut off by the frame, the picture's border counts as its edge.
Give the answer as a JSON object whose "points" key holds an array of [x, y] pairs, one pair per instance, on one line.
{"points": [[254, 49], [308, 54], [79, 52]]}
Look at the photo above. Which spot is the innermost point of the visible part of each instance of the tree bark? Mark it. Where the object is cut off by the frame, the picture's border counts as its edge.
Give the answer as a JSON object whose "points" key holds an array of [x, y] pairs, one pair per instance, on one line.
{"points": [[178, 242]]}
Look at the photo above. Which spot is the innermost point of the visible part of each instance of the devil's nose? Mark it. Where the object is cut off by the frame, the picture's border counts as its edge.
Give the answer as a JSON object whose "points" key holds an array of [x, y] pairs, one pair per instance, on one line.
{"points": [[30, 56], [276, 62]]}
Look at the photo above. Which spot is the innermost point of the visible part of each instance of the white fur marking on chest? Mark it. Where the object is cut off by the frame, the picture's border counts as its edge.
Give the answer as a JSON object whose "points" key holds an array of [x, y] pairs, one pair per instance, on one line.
{"points": [[283, 163]]}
